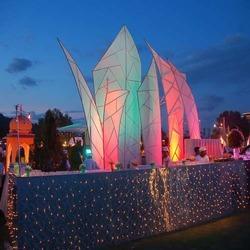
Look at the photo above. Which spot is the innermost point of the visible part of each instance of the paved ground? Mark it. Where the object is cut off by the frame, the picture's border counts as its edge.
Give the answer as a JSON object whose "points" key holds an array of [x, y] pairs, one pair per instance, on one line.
{"points": [[228, 233]]}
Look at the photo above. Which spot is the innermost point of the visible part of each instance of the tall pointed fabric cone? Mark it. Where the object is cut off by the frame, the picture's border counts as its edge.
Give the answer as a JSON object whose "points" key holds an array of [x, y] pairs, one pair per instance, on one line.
{"points": [[190, 107], [114, 105], [151, 116], [174, 104], [120, 69], [90, 111]]}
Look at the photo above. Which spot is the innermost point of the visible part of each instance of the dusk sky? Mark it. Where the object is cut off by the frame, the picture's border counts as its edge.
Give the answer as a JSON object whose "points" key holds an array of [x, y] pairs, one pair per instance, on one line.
{"points": [[208, 40]]}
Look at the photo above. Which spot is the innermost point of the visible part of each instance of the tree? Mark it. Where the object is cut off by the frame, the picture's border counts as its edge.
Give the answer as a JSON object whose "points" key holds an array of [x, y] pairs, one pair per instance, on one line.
{"points": [[4, 125], [230, 120], [235, 139], [48, 144]]}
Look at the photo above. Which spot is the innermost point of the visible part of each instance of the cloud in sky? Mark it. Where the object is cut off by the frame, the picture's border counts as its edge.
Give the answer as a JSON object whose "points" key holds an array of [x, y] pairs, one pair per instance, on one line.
{"points": [[73, 111], [226, 64], [210, 103], [27, 81], [19, 65], [36, 116]]}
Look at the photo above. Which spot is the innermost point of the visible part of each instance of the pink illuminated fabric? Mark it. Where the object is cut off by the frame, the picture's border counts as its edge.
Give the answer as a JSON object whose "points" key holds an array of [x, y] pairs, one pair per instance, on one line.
{"points": [[151, 116], [114, 104], [174, 105], [91, 114], [190, 108]]}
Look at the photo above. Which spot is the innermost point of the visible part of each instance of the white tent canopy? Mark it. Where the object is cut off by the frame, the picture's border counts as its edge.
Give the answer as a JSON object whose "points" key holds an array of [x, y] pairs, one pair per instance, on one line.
{"points": [[76, 128]]}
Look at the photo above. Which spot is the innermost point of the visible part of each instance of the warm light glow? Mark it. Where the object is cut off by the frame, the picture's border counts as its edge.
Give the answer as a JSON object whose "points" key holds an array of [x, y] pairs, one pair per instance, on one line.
{"points": [[174, 146]]}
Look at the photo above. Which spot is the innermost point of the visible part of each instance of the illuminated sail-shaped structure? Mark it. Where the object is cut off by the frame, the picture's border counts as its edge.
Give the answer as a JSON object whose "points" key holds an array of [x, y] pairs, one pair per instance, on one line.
{"points": [[120, 69], [90, 110], [151, 116], [174, 105], [123, 108], [113, 108]]}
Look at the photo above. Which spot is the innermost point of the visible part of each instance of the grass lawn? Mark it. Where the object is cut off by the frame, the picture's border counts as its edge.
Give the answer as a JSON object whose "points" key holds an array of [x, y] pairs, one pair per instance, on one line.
{"points": [[228, 233]]}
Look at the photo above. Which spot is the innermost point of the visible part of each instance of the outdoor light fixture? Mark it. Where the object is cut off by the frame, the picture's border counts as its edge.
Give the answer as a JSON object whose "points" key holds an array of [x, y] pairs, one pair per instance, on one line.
{"points": [[87, 152]]}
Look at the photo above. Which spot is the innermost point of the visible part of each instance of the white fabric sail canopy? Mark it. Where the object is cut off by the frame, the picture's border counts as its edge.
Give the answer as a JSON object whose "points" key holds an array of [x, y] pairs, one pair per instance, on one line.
{"points": [[151, 116], [123, 109], [90, 111], [120, 69], [190, 107], [114, 105], [174, 105]]}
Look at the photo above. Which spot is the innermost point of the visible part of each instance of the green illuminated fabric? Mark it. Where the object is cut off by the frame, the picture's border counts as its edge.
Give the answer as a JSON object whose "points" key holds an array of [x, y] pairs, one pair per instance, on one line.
{"points": [[151, 116], [120, 69]]}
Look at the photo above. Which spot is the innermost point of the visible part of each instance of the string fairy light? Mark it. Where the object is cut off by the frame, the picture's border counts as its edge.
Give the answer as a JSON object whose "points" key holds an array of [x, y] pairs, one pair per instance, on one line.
{"points": [[90, 211]]}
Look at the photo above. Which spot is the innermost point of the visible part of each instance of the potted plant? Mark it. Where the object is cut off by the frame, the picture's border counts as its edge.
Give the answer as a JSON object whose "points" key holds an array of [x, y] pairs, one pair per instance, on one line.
{"points": [[118, 166], [152, 164], [16, 169], [28, 169], [82, 168]]}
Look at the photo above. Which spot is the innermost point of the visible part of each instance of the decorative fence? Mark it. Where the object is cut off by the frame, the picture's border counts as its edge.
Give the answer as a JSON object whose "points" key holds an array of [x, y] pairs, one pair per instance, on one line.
{"points": [[88, 211]]}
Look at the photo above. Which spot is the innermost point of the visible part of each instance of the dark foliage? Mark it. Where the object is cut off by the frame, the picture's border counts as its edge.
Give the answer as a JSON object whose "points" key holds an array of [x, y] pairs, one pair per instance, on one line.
{"points": [[232, 119], [4, 125], [48, 146], [235, 139]]}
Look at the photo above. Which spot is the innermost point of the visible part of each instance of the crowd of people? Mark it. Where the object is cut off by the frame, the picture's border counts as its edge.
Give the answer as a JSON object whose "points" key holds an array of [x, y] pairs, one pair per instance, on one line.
{"points": [[200, 156]]}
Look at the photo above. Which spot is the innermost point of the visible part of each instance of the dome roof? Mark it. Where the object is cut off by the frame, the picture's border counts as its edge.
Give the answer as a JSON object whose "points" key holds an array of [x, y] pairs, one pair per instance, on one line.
{"points": [[25, 125]]}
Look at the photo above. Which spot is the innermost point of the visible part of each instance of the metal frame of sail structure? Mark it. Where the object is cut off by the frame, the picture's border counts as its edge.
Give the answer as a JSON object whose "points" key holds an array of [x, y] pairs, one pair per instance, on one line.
{"points": [[120, 69]]}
